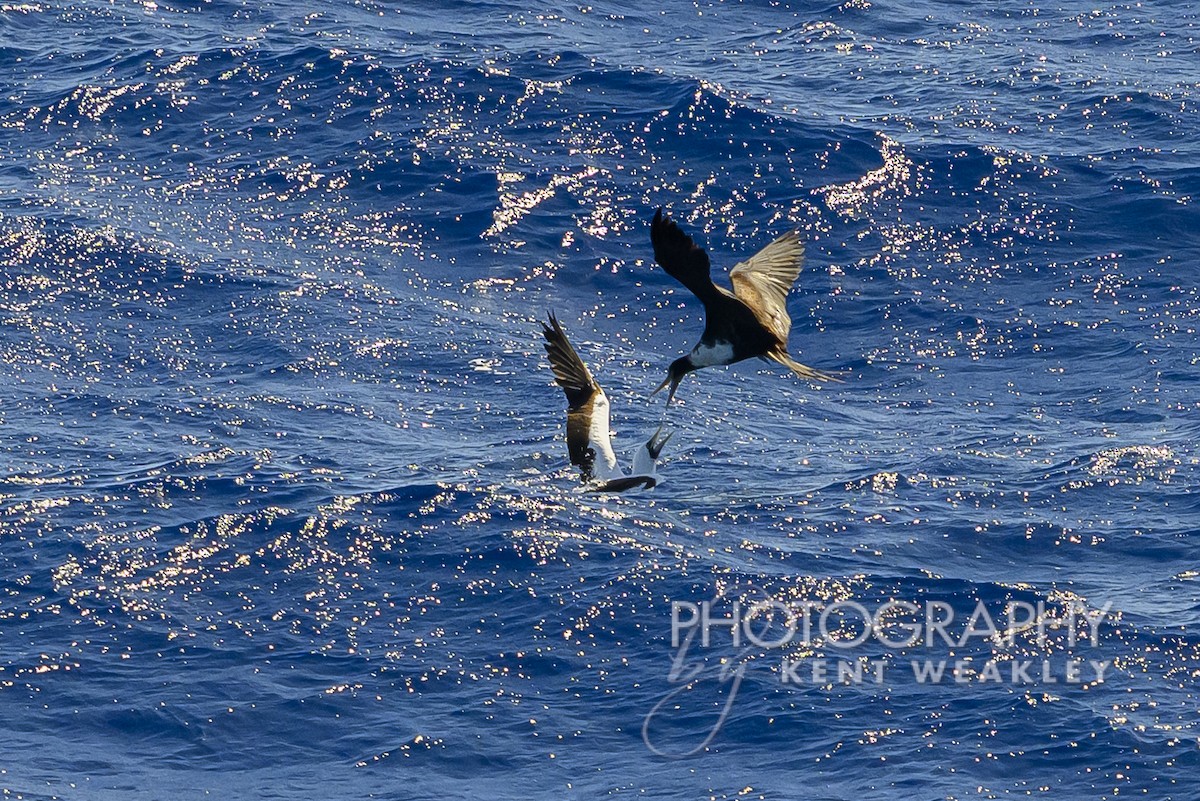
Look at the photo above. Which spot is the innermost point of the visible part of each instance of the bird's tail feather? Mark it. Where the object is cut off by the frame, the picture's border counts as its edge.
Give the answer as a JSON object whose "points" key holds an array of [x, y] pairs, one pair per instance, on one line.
{"points": [[803, 370]]}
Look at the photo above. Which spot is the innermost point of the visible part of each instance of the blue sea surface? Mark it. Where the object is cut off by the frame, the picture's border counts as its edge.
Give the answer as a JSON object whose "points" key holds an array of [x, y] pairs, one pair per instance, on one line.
{"points": [[285, 504]]}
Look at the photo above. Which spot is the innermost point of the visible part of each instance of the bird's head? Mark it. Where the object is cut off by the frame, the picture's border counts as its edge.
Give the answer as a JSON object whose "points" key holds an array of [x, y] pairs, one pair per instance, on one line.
{"points": [[647, 455], [675, 373]]}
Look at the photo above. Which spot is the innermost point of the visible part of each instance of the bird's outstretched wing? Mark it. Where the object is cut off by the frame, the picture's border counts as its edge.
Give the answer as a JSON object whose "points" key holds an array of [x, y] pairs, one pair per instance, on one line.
{"points": [[569, 370], [763, 281], [589, 440], [683, 259]]}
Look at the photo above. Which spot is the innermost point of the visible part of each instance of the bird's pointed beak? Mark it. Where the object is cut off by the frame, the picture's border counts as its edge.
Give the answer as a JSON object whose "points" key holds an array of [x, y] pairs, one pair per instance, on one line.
{"points": [[658, 442], [671, 380]]}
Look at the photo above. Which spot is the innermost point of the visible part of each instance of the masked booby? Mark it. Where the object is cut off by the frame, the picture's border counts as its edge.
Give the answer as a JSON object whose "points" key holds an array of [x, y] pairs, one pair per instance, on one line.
{"points": [[589, 440]]}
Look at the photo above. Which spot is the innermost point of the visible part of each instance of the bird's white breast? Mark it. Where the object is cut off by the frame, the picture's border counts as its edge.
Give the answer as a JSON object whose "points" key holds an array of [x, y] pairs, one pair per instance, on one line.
{"points": [[706, 356]]}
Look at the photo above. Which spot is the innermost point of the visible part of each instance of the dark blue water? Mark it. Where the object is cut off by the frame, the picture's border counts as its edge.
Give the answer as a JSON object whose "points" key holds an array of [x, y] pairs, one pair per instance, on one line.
{"points": [[286, 508]]}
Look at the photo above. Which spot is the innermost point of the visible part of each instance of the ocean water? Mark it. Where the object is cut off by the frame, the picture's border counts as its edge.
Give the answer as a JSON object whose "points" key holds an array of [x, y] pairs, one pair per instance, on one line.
{"points": [[286, 507]]}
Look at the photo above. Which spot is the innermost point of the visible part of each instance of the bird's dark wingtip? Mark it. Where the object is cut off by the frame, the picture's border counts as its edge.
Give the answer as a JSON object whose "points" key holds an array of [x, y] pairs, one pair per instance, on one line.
{"points": [[663, 220], [551, 332], [663, 228]]}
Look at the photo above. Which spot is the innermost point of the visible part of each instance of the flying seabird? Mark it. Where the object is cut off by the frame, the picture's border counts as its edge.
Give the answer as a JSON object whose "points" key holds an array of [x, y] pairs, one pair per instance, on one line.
{"points": [[752, 320], [589, 440]]}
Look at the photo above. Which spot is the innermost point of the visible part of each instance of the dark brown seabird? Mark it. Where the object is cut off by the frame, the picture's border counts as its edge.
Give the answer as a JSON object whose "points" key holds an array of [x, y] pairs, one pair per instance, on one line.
{"points": [[589, 439], [752, 320]]}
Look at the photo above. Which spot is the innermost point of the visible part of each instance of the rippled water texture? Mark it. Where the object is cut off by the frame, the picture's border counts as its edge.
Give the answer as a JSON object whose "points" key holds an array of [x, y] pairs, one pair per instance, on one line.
{"points": [[286, 507]]}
